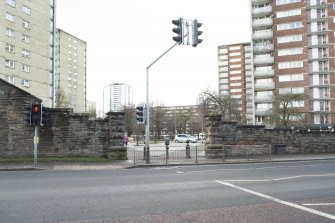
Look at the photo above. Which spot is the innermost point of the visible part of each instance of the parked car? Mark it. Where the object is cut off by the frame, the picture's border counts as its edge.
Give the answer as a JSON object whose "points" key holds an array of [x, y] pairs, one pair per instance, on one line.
{"points": [[193, 139], [181, 138]]}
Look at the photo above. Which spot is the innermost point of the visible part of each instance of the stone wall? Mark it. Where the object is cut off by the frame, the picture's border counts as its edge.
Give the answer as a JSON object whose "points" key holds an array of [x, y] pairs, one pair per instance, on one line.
{"points": [[237, 139], [65, 134]]}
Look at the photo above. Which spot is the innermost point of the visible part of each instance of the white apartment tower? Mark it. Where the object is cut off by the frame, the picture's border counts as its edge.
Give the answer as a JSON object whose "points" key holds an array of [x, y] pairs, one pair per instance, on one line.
{"points": [[26, 46], [70, 72], [116, 96], [39, 58]]}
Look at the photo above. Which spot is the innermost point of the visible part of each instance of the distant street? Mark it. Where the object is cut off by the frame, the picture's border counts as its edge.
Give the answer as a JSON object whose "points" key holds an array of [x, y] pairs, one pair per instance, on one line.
{"points": [[266, 192]]}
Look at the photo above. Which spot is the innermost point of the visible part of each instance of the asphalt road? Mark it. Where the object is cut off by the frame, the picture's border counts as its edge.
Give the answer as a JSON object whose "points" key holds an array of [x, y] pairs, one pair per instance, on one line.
{"points": [[267, 192]]}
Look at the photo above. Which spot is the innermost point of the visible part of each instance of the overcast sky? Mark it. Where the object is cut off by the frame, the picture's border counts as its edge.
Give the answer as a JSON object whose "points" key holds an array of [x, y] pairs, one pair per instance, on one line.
{"points": [[125, 36]]}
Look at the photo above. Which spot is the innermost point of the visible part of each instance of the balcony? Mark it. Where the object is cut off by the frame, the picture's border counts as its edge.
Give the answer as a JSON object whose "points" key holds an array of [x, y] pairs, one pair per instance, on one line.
{"points": [[262, 112], [262, 11], [318, 83], [263, 48], [260, 2], [318, 29], [263, 60], [262, 22], [264, 73], [262, 35], [316, 4], [264, 99], [265, 86]]}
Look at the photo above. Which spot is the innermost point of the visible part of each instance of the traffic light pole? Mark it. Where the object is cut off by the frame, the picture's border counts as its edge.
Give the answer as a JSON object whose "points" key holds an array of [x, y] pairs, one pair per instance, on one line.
{"points": [[36, 139], [147, 126]]}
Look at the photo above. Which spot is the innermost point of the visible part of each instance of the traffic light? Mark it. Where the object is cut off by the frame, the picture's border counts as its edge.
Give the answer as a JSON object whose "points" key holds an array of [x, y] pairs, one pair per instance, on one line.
{"points": [[140, 114], [196, 33], [36, 113], [44, 115], [27, 114], [179, 30]]}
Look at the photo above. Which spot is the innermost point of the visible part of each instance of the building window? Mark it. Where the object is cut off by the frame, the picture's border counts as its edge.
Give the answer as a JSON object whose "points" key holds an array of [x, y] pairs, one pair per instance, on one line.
{"points": [[10, 32], [10, 63], [235, 90], [291, 25], [291, 77], [235, 60], [25, 83], [25, 24], [25, 53], [10, 79], [291, 38], [290, 64], [235, 54], [25, 68], [284, 2], [234, 78], [298, 90], [10, 17], [234, 48], [288, 13], [235, 72], [26, 10], [25, 38], [290, 51], [10, 48], [236, 84], [10, 2]]}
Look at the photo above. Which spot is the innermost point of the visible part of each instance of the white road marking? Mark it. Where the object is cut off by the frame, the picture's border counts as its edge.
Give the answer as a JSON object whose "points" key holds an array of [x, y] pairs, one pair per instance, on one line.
{"points": [[320, 204], [278, 200], [241, 180], [307, 175], [256, 168]]}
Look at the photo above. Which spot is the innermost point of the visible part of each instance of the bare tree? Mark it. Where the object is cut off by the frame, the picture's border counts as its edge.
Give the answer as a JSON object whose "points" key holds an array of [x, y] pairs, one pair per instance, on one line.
{"points": [[225, 105], [183, 118], [157, 118], [287, 110], [61, 99], [92, 111], [130, 119]]}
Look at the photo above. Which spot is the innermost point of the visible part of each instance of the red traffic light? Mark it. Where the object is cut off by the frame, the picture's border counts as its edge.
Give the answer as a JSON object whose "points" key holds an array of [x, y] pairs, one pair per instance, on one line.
{"points": [[36, 108]]}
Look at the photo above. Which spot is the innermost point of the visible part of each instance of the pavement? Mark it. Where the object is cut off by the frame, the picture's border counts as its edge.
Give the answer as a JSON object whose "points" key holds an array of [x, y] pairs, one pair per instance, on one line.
{"points": [[124, 164]]}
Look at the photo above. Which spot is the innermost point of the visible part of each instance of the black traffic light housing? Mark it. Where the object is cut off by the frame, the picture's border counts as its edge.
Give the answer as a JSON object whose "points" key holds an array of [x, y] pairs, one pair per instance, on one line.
{"points": [[44, 115], [27, 114], [179, 30], [36, 113], [140, 114], [196, 33]]}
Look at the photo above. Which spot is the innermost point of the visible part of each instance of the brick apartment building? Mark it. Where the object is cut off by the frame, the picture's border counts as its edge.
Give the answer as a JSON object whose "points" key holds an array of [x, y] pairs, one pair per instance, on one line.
{"points": [[292, 51]]}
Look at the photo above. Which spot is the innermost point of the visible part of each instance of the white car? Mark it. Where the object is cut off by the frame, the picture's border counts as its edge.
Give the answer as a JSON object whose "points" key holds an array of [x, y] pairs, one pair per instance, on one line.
{"points": [[185, 138], [181, 138], [192, 139]]}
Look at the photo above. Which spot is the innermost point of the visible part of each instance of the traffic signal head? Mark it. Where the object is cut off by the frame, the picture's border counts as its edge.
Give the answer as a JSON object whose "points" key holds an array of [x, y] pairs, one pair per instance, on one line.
{"points": [[196, 33], [27, 114], [179, 30], [36, 113], [140, 114], [44, 115]]}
